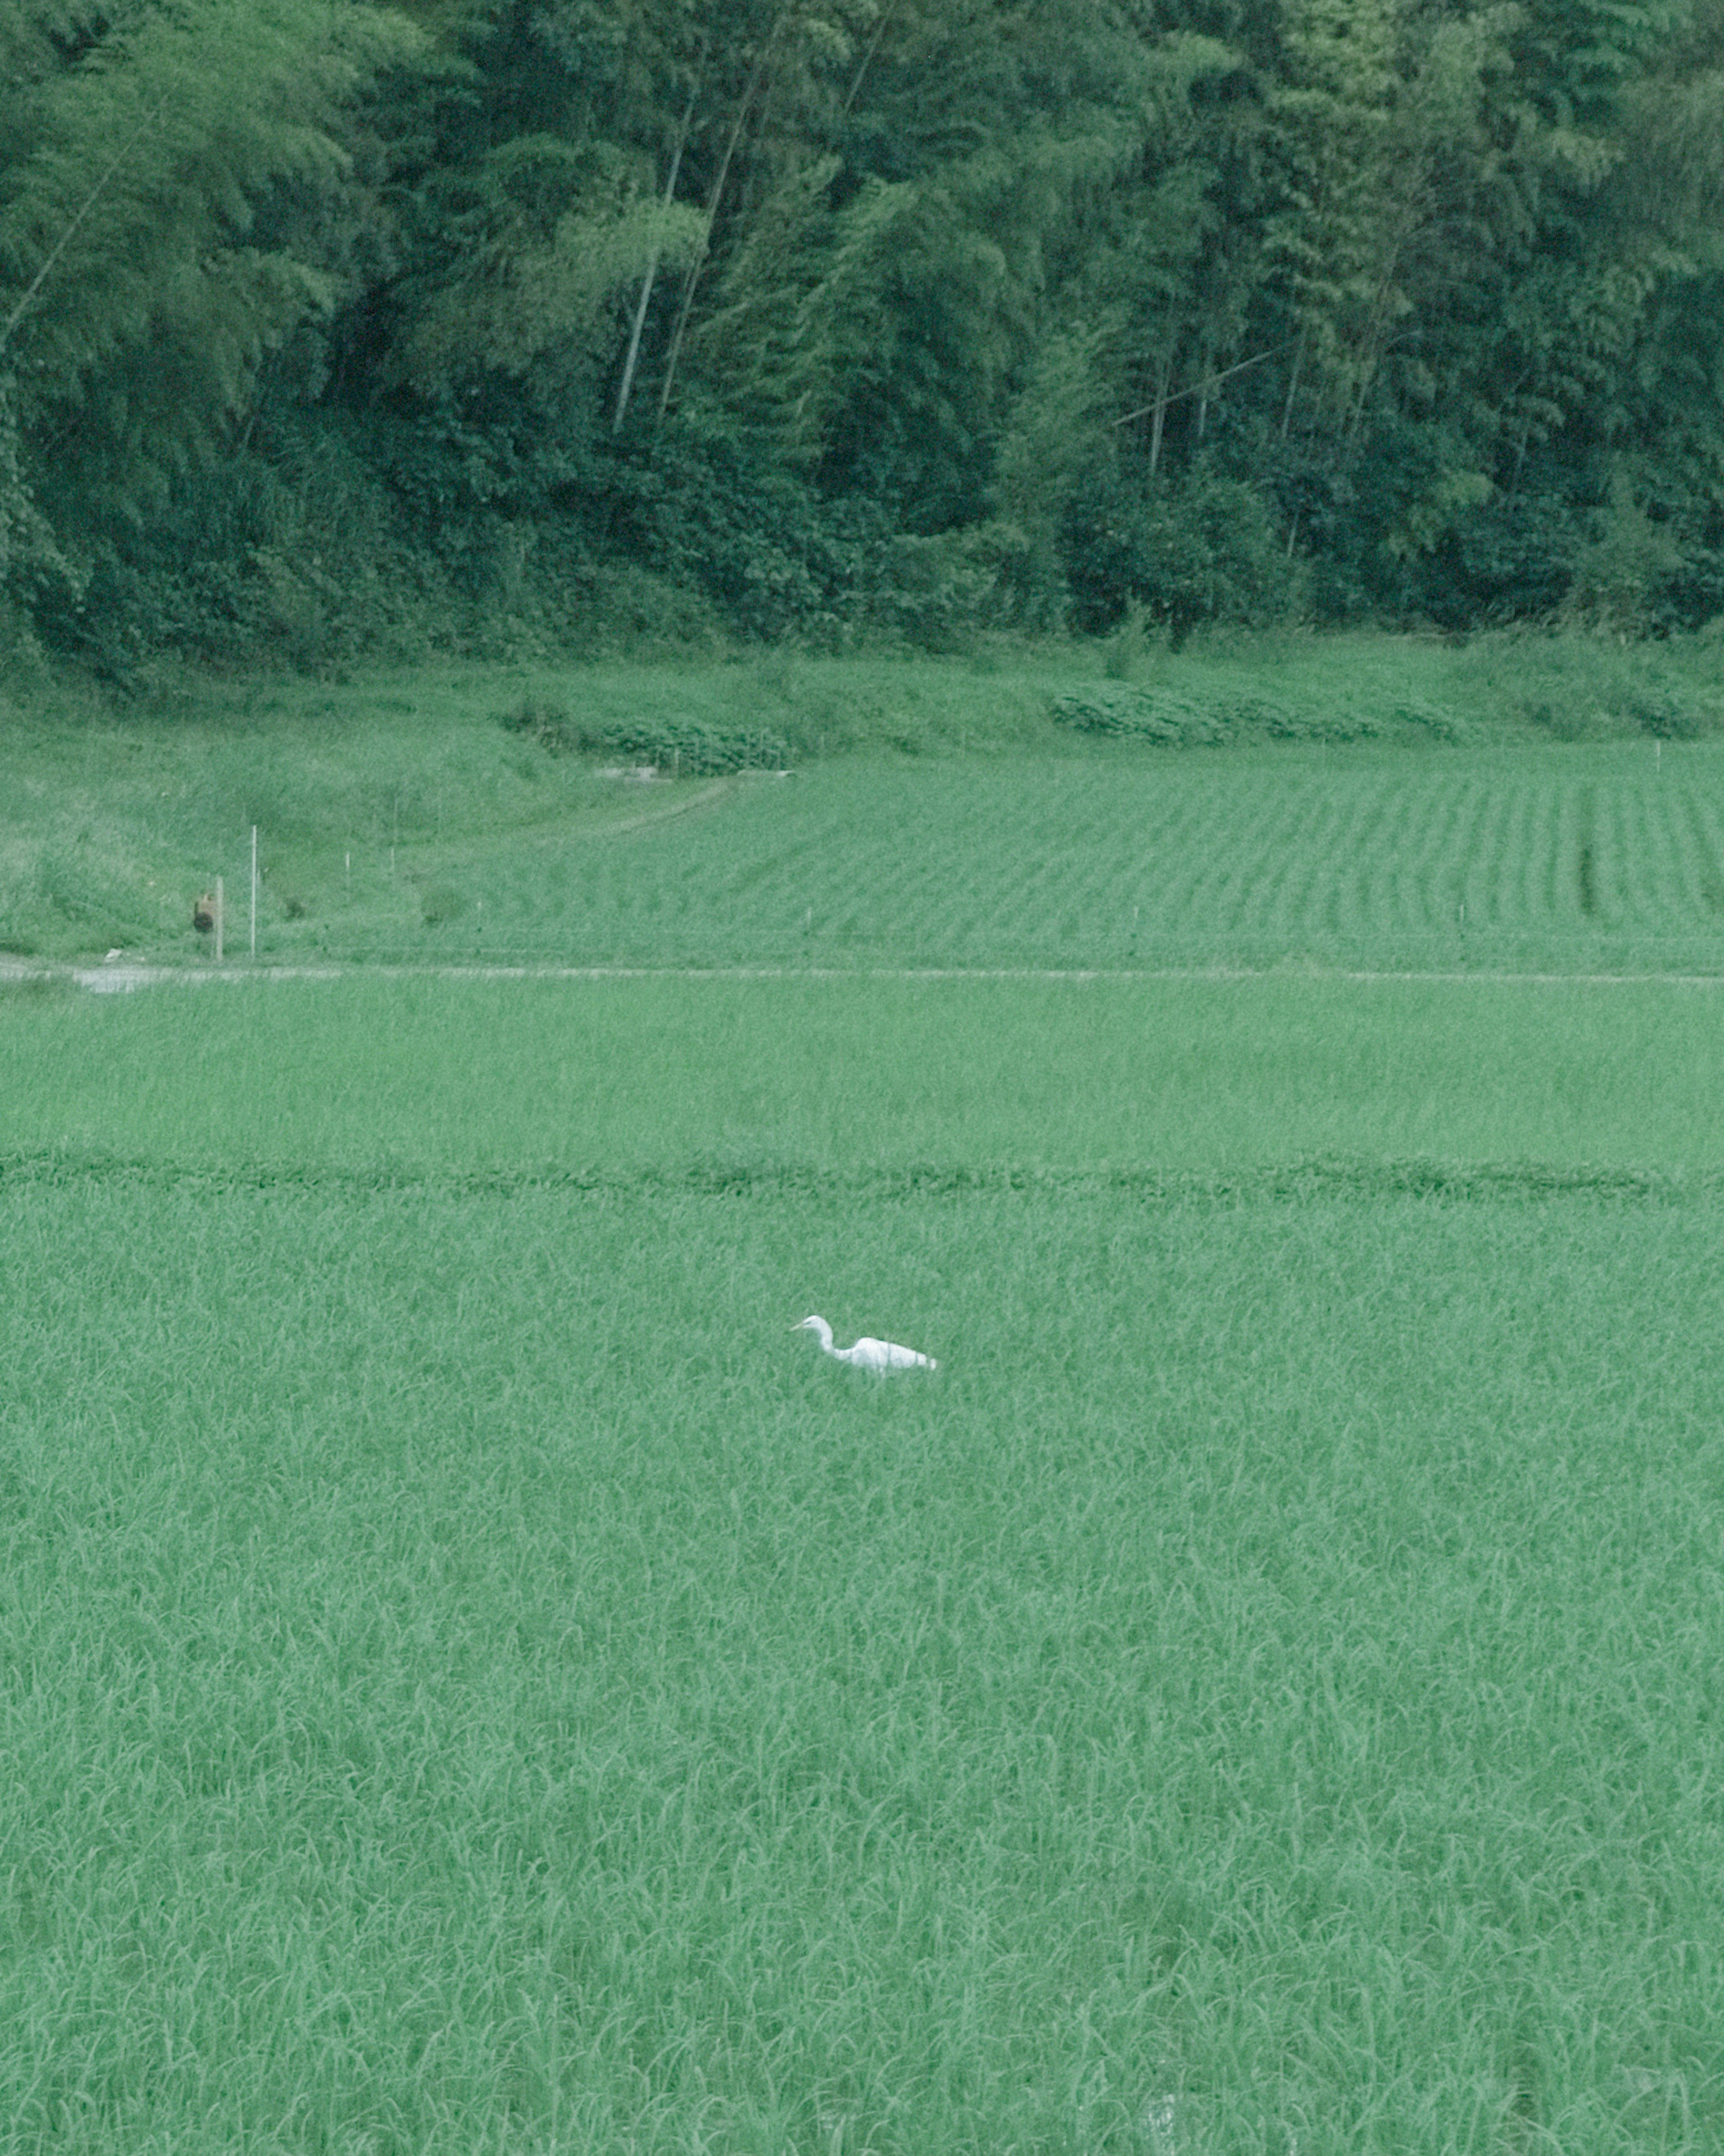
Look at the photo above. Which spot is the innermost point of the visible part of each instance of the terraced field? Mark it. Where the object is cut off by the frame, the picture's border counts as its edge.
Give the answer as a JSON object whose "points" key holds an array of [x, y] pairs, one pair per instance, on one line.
{"points": [[1600, 858]]}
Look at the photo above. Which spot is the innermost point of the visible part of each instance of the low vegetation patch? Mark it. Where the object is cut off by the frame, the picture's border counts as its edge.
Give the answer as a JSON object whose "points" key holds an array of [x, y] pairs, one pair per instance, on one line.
{"points": [[1171, 718], [687, 746]]}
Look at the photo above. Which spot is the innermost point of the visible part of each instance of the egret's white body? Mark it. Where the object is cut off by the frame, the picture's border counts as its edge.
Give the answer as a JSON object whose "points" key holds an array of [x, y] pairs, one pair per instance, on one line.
{"points": [[880, 1355]]}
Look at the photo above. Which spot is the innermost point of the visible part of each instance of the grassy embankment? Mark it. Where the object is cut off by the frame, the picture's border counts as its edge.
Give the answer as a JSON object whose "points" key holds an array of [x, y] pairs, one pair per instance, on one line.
{"points": [[474, 1680]]}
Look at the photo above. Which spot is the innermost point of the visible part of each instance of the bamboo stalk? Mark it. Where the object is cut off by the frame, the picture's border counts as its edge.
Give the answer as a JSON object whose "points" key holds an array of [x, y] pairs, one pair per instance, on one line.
{"points": [[1293, 381], [699, 264], [652, 271], [85, 208], [1202, 388], [1160, 419]]}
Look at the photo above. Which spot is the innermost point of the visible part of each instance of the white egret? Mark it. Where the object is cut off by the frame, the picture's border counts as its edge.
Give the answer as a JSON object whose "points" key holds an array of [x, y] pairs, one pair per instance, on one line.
{"points": [[880, 1355]]}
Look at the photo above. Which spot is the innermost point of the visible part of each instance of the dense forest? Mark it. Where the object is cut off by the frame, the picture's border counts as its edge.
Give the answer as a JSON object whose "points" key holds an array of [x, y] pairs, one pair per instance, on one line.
{"points": [[331, 329]]}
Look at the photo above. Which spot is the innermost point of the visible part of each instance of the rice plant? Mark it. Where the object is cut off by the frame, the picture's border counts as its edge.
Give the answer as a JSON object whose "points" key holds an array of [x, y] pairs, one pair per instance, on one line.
{"points": [[834, 1078], [1593, 860], [470, 1684]]}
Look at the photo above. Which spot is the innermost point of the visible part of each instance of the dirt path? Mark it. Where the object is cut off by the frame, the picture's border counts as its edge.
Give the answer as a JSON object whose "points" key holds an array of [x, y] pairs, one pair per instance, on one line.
{"points": [[122, 975]]}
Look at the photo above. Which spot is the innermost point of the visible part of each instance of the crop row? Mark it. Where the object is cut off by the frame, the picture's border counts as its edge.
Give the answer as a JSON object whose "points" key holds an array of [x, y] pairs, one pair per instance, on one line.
{"points": [[1404, 857]]}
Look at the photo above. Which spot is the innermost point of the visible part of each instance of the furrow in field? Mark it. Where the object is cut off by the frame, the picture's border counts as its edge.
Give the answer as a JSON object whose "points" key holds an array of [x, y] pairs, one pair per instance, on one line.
{"points": [[1696, 894], [1432, 849], [1287, 830], [1177, 895], [1478, 838], [1398, 871], [1497, 828], [1237, 849], [1554, 853], [1362, 841], [1508, 899], [1685, 855], [1702, 843], [1326, 902], [1396, 828], [1093, 864], [1306, 860], [1636, 857], [1251, 859], [1168, 859]]}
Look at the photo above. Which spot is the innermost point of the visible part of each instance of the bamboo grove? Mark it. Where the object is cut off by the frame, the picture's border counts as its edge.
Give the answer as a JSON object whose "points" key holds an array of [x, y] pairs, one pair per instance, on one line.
{"points": [[506, 325]]}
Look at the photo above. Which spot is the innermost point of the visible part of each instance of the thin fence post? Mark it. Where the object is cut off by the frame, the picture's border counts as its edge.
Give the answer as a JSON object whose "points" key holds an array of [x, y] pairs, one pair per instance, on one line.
{"points": [[220, 909]]}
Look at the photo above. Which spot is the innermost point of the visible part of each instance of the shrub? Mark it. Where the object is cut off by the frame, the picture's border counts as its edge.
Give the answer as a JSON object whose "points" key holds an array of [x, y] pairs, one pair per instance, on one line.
{"points": [[1667, 716], [1201, 548], [1148, 715], [683, 745], [1196, 717]]}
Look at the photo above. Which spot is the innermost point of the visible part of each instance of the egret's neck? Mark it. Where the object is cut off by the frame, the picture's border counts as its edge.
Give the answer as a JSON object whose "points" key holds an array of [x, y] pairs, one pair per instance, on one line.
{"points": [[822, 1331]]}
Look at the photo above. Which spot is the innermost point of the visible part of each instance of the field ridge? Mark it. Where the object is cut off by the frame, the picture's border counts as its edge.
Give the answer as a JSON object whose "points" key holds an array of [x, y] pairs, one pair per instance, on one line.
{"points": [[1294, 1181]]}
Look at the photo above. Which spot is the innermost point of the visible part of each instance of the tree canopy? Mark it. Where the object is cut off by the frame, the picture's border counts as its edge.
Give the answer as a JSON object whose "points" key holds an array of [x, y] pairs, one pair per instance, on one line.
{"points": [[329, 326]]}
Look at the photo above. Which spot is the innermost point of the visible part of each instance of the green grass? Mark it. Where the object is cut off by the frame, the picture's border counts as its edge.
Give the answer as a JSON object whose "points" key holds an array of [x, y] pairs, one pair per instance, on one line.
{"points": [[840, 1077], [472, 1679], [475, 1681]]}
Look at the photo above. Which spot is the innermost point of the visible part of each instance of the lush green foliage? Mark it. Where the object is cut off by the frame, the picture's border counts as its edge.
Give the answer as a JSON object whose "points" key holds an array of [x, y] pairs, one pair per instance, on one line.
{"points": [[470, 326], [672, 746]]}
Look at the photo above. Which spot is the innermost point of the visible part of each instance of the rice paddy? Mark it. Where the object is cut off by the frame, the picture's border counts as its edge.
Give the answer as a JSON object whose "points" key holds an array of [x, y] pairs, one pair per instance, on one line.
{"points": [[1601, 859], [472, 1679], [841, 1077]]}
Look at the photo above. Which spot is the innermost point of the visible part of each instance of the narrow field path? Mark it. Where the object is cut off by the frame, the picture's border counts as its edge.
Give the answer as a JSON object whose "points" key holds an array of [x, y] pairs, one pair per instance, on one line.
{"points": [[120, 976]]}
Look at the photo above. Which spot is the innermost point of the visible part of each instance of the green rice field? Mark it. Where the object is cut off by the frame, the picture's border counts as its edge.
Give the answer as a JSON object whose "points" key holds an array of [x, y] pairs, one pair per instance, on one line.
{"points": [[472, 1679], [843, 1079], [1603, 858]]}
